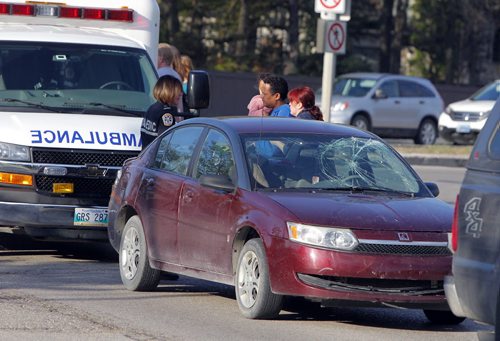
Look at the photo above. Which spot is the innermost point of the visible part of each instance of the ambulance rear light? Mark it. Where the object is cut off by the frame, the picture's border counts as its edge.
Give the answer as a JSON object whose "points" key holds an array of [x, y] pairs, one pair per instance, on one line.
{"points": [[123, 14], [23, 10], [70, 12]]}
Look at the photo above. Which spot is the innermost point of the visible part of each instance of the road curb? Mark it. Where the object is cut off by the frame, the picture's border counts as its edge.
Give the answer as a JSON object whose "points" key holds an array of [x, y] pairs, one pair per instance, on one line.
{"points": [[436, 160]]}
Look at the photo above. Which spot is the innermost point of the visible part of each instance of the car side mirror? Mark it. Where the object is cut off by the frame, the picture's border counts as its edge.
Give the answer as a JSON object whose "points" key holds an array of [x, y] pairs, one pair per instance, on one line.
{"points": [[198, 93], [433, 187], [379, 94], [219, 182]]}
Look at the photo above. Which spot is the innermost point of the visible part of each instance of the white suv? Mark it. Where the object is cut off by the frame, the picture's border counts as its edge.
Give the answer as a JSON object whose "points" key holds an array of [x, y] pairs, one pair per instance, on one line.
{"points": [[388, 105], [462, 121]]}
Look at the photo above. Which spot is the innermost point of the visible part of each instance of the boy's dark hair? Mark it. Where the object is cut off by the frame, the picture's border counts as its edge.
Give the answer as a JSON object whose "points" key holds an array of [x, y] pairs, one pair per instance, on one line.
{"points": [[278, 85], [262, 75]]}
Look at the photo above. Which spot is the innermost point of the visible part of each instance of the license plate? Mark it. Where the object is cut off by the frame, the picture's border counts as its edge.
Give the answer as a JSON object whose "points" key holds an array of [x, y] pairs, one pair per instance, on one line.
{"points": [[463, 128], [91, 217]]}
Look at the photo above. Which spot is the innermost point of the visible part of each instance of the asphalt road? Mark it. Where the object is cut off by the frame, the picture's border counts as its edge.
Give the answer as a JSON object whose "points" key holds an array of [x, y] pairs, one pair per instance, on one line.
{"points": [[448, 180], [72, 291]]}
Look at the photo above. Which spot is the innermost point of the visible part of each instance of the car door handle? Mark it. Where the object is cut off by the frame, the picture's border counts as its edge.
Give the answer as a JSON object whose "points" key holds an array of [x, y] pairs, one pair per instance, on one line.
{"points": [[148, 182], [421, 102], [397, 102], [187, 197]]}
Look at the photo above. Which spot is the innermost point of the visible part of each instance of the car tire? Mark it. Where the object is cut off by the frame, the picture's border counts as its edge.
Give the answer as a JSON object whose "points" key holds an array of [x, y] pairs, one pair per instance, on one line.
{"points": [[427, 132], [443, 317], [360, 121], [135, 271], [252, 285]]}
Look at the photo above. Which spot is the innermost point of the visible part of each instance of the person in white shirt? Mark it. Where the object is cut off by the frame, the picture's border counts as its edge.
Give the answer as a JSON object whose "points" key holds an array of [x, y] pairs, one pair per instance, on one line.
{"points": [[167, 55]]}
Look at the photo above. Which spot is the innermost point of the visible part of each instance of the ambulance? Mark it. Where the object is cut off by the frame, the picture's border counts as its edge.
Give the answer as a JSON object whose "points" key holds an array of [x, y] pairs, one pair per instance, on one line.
{"points": [[75, 80]]}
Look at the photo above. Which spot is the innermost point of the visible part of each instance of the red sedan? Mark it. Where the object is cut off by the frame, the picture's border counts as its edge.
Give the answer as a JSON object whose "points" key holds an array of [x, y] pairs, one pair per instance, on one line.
{"points": [[283, 207]]}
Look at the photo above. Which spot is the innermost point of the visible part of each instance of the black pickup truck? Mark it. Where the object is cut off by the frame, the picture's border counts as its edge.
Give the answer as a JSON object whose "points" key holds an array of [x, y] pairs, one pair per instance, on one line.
{"points": [[474, 288]]}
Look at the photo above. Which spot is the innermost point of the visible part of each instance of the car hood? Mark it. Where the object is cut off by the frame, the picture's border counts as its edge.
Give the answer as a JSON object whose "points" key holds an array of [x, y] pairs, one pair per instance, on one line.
{"points": [[359, 211], [472, 106]]}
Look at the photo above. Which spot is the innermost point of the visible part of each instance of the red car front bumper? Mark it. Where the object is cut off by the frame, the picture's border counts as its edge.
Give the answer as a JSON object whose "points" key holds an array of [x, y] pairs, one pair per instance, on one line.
{"points": [[375, 279]]}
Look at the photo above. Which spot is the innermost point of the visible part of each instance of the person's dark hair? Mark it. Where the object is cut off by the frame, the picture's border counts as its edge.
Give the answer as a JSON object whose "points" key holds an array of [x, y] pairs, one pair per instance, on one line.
{"points": [[262, 75], [277, 84], [305, 95]]}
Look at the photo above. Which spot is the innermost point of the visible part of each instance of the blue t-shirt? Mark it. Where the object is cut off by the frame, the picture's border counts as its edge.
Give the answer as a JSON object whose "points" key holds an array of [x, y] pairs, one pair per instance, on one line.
{"points": [[283, 111]]}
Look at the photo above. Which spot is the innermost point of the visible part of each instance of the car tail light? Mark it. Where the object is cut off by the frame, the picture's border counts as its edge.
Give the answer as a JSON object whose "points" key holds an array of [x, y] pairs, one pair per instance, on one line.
{"points": [[454, 228], [53, 10]]}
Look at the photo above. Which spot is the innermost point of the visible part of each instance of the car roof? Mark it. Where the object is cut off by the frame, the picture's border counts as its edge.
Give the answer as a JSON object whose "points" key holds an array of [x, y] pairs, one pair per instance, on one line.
{"points": [[481, 156], [249, 125], [63, 34], [377, 76]]}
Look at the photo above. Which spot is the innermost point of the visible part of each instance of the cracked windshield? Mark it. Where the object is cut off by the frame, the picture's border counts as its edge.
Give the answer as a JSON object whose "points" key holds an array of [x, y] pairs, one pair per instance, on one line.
{"points": [[327, 163], [51, 77]]}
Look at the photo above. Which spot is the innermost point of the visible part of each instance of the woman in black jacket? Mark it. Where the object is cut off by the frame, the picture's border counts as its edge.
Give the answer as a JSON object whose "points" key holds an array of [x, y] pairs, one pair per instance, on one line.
{"points": [[161, 115], [302, 104]]}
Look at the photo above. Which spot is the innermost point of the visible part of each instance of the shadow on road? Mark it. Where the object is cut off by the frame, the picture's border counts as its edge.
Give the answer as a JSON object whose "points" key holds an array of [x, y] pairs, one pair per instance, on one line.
{"points": [[19, 244]]}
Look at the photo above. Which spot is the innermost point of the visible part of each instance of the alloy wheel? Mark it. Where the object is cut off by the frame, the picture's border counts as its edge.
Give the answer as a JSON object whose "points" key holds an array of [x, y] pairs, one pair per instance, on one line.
{"points": [[248, 279], [130, 253]]}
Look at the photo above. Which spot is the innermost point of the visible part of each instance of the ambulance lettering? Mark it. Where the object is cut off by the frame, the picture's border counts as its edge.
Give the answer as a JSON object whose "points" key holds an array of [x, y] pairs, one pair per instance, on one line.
{"points": [[84, 138]]}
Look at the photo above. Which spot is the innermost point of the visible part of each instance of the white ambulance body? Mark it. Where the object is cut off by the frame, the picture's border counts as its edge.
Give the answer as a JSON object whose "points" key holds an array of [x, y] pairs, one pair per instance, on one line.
{"points": [[75, 80]]}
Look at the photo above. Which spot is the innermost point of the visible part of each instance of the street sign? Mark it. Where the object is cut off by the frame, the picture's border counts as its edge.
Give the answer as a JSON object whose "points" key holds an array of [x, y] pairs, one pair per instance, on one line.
{"points": [[332, 6], [335, 37]]}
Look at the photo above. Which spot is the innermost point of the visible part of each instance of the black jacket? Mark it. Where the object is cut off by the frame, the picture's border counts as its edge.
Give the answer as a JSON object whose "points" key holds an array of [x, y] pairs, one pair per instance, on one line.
{"points": [[157, 119]]}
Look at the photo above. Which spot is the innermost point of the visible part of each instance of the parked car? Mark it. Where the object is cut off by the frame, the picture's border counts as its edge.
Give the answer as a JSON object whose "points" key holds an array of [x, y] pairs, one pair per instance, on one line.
{"points": [[388, 105], [280, 206], [462, 121], [474, 289]]}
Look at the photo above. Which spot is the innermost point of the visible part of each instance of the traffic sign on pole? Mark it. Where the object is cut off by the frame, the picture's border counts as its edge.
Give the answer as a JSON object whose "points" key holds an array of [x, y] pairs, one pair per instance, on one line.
{"points": [[333, 6], [335, 37]]}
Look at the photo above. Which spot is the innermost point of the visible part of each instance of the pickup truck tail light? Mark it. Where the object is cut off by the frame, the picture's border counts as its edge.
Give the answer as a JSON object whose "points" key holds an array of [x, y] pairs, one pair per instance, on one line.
{"points": [[454, 229]]}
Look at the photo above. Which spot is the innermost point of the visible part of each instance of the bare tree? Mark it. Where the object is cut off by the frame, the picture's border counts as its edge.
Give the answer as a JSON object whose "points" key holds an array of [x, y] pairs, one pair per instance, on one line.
{"points": [[291, 60], [399, 35], [386, 28]]}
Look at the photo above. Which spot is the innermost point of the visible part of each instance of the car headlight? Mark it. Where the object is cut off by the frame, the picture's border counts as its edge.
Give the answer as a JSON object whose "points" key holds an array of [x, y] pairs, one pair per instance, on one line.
{"points": [[118, 176], [328, 237], [13, 152], [484, 115], [340, 106], [448, 111]]}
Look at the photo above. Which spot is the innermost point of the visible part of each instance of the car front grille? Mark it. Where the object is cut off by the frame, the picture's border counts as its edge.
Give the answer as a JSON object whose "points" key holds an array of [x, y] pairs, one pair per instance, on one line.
{"points": [[466, 116], [81, 157], [83, 187], [88, 182], [402, 249]]}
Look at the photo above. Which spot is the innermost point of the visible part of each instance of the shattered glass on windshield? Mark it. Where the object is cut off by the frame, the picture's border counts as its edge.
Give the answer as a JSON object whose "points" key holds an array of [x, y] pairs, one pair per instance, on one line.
{"points": [[326, 162]]}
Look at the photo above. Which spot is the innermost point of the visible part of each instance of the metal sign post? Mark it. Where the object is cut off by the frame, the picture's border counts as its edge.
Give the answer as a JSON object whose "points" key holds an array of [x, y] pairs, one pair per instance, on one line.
{"points": [[329, 63], [332, 36]]}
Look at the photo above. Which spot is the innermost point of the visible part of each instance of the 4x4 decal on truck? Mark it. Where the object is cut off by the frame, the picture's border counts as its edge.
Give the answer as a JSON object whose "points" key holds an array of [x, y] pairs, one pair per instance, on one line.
{"points": [[473, 220]]}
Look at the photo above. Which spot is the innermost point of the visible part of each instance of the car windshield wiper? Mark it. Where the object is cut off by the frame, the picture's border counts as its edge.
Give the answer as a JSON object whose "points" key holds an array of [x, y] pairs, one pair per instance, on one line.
{"points": [[366, 189], [31, 104], [113, 107]]}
